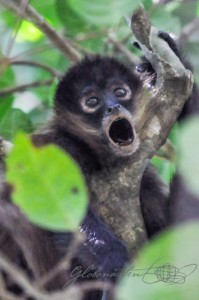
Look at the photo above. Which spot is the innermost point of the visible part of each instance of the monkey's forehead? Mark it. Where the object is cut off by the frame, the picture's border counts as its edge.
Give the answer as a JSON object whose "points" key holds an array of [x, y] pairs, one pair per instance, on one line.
{"points": [[98, 70]]}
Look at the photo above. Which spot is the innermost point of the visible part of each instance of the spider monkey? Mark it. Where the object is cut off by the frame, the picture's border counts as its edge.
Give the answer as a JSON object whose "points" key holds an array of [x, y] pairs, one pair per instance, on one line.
{"points": [[93, 113]]}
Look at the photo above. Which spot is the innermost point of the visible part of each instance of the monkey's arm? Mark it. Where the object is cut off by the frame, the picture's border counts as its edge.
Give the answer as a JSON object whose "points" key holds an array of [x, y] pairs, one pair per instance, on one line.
{"points": [[101, 250], [109, 252]]}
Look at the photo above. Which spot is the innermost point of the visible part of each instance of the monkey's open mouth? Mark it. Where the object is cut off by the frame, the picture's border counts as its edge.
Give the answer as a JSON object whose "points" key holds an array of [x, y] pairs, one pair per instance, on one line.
{"points": [[121, 132]]}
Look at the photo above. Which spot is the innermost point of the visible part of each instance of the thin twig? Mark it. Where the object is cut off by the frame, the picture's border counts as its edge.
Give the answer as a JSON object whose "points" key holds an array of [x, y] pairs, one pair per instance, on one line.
{"points": [[32, 15], [64, 264], [23, 87], [37, 65], [33, 51], [19, 277], [23, 5]]}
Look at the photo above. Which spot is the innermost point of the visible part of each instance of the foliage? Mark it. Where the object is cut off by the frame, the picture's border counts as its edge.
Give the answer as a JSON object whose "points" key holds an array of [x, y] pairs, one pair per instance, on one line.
{"points": [[47, 185], [91, 27], [167, 268], [188, 152]]}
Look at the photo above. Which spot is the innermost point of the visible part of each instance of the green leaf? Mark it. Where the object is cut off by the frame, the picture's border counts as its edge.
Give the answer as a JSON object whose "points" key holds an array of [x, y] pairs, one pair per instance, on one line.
{"points": [[28, 32], [165, 168], [5, 106], [7, 77], [48, 185], [40, 116], [160, 19], [188, 150], [105, 12], [167, 268], [47, 10], [147, 4], [174, 133], [12, 121], [71, 21], [186, 11], [198, 8]]}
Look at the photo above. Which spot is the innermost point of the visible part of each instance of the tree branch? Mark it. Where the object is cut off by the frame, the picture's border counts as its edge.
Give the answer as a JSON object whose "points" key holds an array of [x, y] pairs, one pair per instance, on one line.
{"points": [[32, 15], [20, 278], [23, 87], [35, 64]]}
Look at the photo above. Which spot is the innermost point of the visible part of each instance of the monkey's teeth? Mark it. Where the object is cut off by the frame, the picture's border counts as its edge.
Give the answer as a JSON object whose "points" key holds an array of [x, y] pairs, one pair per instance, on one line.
{"points": [[124, 143]]}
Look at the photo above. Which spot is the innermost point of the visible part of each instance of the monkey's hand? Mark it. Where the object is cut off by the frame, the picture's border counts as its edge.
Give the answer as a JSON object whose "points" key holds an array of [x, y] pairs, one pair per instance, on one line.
{"points": [[146, 69]]}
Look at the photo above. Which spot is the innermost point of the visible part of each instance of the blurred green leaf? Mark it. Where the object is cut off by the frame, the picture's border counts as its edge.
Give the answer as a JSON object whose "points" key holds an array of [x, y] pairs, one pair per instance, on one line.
{"points": [[147, 4], [71, 21], [186, 11], [28, 32], [172, 6], [8, 17], [14, 120], [167, 268], [48, 185], [5, 106], [105, 12], [160, 17], [94, 44], [188, 153], [47, 10], [7, 77], [40, 116], [165, 168], [174, 133]]}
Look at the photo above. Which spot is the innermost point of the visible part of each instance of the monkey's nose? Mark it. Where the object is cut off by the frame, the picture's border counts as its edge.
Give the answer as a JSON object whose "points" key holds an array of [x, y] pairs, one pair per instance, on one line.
{"points": [[113, 109]]}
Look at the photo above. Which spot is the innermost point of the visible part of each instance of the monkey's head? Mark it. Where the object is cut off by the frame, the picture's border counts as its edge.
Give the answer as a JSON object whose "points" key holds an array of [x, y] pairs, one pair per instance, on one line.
{"points": [[95, 102]]}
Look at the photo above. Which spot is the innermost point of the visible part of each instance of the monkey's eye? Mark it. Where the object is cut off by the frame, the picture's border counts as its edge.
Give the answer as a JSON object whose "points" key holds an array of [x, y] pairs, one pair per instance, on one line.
{"points": [[120, 92], [92, 102]]}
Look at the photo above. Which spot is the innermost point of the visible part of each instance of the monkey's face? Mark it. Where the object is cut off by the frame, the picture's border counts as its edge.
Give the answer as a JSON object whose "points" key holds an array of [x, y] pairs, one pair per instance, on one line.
{"points": [[100, 94], [108, 109]]}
